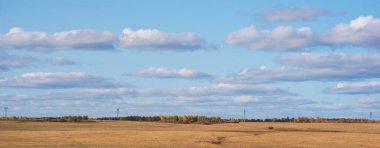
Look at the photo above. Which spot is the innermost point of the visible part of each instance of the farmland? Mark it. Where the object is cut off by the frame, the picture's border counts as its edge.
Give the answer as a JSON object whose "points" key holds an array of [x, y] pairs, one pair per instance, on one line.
{"points": [[156, 134]]}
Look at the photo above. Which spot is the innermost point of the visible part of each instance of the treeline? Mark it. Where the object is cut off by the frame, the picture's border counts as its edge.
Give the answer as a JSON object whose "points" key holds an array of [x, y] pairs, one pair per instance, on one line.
{"points": [[50, 119], [194, 119], [191, 119], [132, 118], [312, 120], [173, 119]]}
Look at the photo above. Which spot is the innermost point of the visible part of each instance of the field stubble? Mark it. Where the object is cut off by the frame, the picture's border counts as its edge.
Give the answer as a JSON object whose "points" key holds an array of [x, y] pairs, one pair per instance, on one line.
{"points": [[155, 134]]}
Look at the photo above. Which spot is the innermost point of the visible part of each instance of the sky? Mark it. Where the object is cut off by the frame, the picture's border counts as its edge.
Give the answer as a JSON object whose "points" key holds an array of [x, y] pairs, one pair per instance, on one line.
{"points": [[214, 58]]}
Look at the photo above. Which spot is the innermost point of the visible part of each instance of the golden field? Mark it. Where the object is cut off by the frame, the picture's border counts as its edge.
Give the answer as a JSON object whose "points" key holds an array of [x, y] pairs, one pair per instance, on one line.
{"points": [[156, 134]]}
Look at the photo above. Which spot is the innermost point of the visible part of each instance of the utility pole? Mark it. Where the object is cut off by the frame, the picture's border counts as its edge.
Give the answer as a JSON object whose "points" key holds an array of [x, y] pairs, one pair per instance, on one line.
{"points": [[370, 115], [117, 112], [5, 111]]}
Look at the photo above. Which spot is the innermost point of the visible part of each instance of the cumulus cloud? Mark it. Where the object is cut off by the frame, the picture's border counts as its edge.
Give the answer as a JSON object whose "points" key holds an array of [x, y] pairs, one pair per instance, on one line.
{"points": [[57, 80], [311, 67], [8, 61], [281, 38], [297, 14], [361, 32], [42, 41], [142, 39], [183, 73], [153, 40], [355, 88]]}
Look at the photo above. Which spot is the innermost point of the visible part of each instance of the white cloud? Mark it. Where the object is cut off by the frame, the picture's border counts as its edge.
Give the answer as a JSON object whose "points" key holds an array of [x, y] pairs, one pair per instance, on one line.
{"points": [[57, 80], [143, 39], [281, 38], [311, 67], [355, 88], [8, 61], [361, 32], [297, 14], [42, 41], [183, 73], [153, 40]]}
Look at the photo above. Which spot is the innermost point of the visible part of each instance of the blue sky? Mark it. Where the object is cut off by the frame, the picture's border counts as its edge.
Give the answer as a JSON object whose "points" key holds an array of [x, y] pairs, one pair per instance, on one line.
{"points": [[273, 58]]}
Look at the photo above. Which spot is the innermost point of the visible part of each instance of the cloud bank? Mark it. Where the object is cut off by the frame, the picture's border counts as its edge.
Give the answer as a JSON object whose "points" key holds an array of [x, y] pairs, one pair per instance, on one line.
{"points": [[279, 39], [48, 80], [17, 38], [142, 39], [153, 39], [355, 88], [311, 67], [8, 61], [361, 32]]}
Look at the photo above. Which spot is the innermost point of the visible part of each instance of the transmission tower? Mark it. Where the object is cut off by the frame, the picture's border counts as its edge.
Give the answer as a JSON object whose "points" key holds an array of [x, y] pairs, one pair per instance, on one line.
{"points": [[6, 111], [117, 112], [370, 115], [244, 114]]}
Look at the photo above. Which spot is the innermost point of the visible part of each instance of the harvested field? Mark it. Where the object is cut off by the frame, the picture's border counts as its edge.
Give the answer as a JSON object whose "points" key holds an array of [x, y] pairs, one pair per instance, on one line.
{"points": [[155, 134]]}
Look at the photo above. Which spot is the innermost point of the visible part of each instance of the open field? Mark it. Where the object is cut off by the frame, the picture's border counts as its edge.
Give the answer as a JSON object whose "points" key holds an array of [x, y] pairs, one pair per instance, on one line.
{"points": [[155, 134]]}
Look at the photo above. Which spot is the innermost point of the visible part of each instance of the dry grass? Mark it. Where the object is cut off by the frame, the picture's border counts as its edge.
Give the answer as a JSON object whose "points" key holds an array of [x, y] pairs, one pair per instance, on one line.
{"points": [[148, 134]]}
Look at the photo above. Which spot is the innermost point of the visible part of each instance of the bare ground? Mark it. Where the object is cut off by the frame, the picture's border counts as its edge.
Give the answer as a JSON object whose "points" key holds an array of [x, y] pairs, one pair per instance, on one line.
{"points": [[154, 134]]}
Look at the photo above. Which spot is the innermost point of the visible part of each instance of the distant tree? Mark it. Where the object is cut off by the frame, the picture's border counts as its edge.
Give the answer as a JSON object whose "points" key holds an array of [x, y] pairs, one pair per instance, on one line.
{"points": [[162, 118]]}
